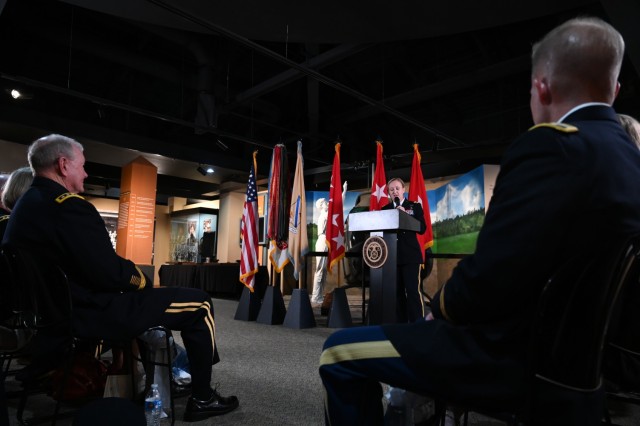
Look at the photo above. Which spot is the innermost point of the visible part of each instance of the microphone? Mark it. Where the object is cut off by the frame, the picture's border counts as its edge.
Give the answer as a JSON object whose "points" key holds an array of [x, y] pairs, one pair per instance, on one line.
{"points": [[396, 200]]}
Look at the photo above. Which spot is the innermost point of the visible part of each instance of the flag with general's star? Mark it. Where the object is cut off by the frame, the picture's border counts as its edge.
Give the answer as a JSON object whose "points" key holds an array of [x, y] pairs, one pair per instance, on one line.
{"points": [[335, 222], [379, 195], [418, 192]]}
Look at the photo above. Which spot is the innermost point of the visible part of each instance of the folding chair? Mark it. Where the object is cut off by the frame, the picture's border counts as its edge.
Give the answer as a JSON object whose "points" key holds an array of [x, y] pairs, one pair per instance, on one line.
{"points": [[40, 303], [569, 332]]}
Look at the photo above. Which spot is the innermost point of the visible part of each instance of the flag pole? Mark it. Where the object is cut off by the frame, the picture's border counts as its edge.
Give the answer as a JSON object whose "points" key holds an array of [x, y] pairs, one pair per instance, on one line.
{"points": [[249, 304], [273, 309]]}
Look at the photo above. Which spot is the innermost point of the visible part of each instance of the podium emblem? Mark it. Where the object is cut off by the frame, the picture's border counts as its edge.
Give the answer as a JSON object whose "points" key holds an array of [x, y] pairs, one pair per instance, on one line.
{"points": [[374, 252]]}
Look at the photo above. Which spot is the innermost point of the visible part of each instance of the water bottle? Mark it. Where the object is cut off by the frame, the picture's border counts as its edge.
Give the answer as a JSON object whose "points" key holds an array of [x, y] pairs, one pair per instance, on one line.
{"points": [[153, 406], [396, 410]]}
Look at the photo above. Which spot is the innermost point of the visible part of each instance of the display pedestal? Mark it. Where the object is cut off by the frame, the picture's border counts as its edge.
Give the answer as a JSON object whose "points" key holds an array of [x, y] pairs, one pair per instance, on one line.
{"points": [[299, 312], [272, 310], [339, 314], [249, 306]]}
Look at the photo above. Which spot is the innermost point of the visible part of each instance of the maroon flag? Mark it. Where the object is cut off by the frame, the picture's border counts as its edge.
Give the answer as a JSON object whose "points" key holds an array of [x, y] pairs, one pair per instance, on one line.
{"points": [[249, 229], [335, 221], [379, 193], [418, 192], [278, 214]]}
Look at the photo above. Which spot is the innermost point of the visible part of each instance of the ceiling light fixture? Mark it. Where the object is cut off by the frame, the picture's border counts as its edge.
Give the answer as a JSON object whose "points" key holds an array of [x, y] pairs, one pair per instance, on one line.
{"points": [[19, 94], [204, 170]]}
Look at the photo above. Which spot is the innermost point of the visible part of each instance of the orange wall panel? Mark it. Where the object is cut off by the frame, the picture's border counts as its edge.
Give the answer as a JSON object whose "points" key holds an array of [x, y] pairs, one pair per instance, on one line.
{"points": [[136, 212]]}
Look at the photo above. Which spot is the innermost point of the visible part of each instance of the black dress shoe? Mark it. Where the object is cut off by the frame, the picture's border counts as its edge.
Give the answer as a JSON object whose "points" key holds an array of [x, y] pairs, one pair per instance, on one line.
{"points": [[215, 406]]}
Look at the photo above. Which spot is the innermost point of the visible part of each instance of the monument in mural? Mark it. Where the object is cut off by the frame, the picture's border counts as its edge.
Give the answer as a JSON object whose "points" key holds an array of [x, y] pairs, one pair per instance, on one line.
{"points": [[458, 210]]}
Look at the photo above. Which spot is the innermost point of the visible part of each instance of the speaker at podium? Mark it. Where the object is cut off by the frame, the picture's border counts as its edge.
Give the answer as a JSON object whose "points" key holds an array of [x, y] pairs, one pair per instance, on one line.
{"points": [[379, 252]]}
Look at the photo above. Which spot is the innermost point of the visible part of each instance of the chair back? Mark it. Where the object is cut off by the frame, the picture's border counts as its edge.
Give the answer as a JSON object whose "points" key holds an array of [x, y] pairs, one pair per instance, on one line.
{"points": [[37, 289], [571, 326], [621, 366]]}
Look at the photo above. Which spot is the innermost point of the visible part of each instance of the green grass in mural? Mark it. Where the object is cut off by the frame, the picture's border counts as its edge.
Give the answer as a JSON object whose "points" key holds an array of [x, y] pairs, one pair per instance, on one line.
{"points": [[463, 243]]}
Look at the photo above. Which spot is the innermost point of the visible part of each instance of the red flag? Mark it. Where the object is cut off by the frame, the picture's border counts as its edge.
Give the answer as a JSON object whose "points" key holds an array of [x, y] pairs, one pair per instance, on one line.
{"points": [[379, 193], [249, 229], [335, 222], [418, 192]]}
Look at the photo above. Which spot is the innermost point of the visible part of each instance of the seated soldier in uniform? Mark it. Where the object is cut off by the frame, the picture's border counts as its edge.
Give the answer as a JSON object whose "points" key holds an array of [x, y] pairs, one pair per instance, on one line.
{"points": [[577, 162], [112, 298]]}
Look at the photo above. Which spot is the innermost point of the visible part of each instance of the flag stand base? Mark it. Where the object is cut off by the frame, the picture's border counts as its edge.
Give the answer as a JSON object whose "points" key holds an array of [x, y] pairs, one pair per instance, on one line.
{"points": [[339, 314], [248, 307], [299, 312], [272, 310]]}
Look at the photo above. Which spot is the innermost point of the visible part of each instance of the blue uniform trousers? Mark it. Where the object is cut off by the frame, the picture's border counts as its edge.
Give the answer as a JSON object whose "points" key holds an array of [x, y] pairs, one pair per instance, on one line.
{"points": [[353, 363]]}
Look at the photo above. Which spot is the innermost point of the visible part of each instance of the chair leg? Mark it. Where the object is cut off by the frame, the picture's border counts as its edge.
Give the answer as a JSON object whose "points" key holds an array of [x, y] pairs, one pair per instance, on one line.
{"points": [[21, 406], [131, 362], [150, 365], [607, 417], [63, 384], [167, 336]]}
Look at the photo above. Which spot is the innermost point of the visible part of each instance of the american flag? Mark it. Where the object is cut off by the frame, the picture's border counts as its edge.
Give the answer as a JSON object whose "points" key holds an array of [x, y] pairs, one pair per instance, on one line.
{"points": [[249, 229]]}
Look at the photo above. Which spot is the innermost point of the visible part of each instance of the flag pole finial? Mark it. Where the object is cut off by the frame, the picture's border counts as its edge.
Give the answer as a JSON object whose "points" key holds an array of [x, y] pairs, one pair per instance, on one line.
{"points": [[415, 149], [255, 163]]}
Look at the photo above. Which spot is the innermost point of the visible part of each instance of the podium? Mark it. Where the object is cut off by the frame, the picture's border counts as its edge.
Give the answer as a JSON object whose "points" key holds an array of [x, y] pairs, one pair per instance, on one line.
{"points": [[383, 280]]}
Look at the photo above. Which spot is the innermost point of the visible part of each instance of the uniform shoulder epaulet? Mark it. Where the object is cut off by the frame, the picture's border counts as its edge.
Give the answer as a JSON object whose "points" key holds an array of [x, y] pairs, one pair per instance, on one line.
{"points": [[561, 127], [63, 197], [4, 217]]}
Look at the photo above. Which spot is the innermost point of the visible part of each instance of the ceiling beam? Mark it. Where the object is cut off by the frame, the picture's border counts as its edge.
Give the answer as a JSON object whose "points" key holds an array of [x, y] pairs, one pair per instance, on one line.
{"points": [[317, 62], [445, 87], [303, 69]]}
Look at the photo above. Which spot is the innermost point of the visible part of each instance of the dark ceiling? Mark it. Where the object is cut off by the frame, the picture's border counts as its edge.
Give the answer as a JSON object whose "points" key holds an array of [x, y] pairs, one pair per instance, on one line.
{"points": [[210, 82]]}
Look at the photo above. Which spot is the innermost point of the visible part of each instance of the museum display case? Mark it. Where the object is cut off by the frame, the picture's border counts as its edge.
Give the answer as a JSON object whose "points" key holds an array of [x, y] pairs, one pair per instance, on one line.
{"points": [[194, 236]]}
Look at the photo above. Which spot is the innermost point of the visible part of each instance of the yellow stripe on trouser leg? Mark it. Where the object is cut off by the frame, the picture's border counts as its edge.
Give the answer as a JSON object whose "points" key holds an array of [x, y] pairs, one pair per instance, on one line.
{"points": [[353, 352], [356, 351], [178, 308]]}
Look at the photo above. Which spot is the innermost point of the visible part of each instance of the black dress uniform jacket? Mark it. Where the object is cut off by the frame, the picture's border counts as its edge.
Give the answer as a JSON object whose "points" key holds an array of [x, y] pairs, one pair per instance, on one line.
{"points": [[112, 299], [79, 243], [79, 233], [408, 250], [561, 189]]}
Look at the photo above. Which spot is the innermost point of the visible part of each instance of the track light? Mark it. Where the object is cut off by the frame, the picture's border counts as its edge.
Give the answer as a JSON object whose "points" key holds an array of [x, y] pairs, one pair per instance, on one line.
{"points": [[19, 93], [204, 170]]}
